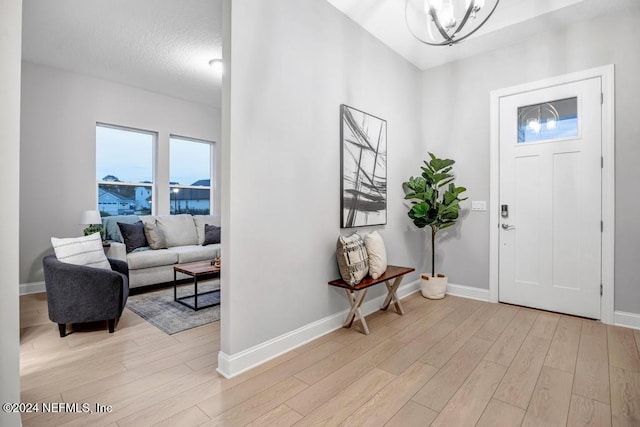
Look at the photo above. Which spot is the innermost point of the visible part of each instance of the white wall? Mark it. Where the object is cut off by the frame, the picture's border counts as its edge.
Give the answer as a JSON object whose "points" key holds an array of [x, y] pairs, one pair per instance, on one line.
{"points": [[456, 124], [293, 62], [10, 53], [59, 113]]}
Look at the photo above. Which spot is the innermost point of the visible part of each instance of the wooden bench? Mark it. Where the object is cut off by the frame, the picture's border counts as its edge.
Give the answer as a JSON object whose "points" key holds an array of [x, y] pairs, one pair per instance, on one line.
{"points": [[357, 293]]}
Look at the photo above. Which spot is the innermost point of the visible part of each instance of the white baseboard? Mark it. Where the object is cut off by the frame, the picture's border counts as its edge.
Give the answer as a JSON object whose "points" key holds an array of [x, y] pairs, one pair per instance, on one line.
{"points": [[468, 292], [629, 320], [31, 288], [230, 366]]}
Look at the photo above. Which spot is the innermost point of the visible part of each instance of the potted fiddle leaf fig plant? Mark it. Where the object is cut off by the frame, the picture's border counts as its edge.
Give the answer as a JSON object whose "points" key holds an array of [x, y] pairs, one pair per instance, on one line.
{"points": [[435, 203]]}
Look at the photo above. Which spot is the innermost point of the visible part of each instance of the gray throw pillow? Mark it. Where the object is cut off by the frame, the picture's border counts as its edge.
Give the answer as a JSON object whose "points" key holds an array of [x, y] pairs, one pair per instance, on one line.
{"points": [[353, 260], [133, 235], [155, 236], [211, 235]]}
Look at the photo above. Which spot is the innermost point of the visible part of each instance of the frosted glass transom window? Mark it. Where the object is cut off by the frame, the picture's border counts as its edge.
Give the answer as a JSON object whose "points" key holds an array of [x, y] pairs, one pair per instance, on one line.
{"points": [[548, 121]]}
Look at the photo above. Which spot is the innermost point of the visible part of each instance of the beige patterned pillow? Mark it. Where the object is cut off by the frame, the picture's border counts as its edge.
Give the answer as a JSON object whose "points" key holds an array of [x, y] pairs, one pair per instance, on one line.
{"points": [[352, 258]]}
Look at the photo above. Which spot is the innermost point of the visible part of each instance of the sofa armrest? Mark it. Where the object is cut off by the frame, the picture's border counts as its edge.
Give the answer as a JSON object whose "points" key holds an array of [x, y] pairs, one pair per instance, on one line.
{"points": [[120, 266], [117, 251]]}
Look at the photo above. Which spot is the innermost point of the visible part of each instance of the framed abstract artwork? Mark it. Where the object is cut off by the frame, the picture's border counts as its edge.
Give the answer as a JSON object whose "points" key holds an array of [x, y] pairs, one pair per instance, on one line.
{"points": [[363, 185]]}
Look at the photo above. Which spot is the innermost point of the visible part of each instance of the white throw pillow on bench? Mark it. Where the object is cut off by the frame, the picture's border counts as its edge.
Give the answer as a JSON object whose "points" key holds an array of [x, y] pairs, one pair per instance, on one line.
{"points": [[377, 254]]}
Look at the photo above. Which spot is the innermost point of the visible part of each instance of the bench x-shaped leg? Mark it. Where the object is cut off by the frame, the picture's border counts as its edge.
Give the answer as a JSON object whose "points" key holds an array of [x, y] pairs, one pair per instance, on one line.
{"points": [[356, 301], [391, 296]]}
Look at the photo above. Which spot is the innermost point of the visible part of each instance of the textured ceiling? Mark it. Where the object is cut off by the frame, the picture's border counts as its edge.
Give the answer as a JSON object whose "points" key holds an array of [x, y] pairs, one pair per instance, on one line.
{"points": [[160, 45], [165, 45]]}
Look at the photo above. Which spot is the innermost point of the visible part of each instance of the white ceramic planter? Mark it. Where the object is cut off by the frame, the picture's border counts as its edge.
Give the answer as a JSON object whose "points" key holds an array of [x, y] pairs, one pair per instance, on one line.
{"points": [[433, 287]]}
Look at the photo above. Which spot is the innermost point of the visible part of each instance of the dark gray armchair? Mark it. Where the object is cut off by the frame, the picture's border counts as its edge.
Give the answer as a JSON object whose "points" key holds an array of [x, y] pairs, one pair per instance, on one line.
{"points": [[77, 294]]}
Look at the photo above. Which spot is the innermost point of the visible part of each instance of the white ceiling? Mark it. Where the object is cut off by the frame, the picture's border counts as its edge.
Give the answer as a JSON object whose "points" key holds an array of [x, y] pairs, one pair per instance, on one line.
{"points": [[165, 45], [512, 21], [160, 45]]}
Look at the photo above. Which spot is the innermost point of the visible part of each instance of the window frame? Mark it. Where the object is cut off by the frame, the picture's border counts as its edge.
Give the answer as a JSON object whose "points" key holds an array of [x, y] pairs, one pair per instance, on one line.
{"points": [[212, 181], [154, 146]]}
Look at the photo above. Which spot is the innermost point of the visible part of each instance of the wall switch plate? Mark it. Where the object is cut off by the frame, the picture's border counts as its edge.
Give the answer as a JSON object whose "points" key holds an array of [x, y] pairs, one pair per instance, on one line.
{"points": [[478, 205]]}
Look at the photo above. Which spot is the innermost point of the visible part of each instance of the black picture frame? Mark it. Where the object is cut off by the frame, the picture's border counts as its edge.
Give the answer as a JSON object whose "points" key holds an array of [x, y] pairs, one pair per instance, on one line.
{"points": [[363, 160]]}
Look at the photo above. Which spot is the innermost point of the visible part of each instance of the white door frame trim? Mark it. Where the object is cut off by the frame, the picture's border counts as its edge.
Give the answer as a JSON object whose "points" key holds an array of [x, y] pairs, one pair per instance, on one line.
{"points": [[606, 73]]}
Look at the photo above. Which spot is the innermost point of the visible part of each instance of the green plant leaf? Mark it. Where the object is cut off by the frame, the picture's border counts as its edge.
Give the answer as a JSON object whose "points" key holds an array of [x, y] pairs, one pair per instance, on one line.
{"points": [[439, 164], [442, 184], [419, 210], [438, 177], [420, 222], [447, 224]]}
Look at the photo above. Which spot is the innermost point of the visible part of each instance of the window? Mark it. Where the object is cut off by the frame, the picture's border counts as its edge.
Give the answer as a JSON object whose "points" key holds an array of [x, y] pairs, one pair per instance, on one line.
{"points": [[548, 121], [190, 176], [124, 170]]}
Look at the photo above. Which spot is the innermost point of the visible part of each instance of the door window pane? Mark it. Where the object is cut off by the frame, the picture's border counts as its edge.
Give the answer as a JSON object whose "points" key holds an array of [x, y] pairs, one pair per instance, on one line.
{"points": [[124, 170], [190, 176], [548, 121]]}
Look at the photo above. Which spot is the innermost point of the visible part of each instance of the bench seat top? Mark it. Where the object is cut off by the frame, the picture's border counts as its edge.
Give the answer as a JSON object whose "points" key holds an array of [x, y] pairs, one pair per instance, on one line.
{"points": [[392, 272]]}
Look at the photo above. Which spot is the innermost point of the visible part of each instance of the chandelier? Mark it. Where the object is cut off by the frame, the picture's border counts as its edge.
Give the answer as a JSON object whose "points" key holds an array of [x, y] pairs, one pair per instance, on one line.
{"points": [[535, 116], [446, 22]]}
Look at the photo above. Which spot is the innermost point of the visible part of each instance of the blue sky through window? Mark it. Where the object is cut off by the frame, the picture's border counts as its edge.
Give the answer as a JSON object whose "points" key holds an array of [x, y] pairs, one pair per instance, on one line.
{"points": [[125, 154], [128, 155], [189, 161]]}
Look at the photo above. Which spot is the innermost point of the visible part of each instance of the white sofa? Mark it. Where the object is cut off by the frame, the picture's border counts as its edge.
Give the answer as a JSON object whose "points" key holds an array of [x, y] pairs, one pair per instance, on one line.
{"points": [[184, 235]]}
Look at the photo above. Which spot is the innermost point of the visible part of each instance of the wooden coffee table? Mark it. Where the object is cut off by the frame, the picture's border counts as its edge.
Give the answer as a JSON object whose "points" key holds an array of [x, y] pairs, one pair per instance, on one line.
{"points": [[195, 270]]}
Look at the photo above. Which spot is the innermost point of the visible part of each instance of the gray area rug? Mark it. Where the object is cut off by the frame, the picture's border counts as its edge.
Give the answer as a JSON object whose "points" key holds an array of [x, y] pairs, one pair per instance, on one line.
{"points": [[159, 308]]}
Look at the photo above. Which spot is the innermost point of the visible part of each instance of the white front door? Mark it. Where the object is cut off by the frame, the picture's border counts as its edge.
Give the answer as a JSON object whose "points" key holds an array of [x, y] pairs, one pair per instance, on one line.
{"points": [[550, 198]]}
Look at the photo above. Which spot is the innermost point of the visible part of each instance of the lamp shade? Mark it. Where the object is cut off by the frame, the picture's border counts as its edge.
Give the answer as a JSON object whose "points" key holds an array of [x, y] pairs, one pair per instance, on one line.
{"points": [[90, 217]]}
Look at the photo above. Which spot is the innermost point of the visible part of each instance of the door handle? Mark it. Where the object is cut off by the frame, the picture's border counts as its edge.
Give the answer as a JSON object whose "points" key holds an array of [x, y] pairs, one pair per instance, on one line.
{"points": [[506, 226]]}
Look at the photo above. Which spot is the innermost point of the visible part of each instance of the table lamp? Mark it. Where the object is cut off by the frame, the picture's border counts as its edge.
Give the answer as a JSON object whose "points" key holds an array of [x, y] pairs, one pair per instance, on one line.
{"points": [[94, 222]]}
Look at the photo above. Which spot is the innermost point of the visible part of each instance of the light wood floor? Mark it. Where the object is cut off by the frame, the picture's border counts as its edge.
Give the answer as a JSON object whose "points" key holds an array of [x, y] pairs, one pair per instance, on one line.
{"points": [[453, 362]]}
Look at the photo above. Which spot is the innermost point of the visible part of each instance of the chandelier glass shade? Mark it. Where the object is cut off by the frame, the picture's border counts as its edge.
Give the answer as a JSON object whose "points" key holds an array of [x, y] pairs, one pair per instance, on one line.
{"points": [[446, 22]]}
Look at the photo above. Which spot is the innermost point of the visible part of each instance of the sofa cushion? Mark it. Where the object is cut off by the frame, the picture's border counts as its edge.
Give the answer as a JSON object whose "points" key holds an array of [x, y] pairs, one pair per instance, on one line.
{"points": [[133, 235], [211, 235], [146, 259], [179, 230], [111, 229], [86, 250], [201, 220], [194, 253]]}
